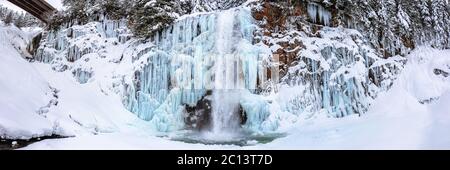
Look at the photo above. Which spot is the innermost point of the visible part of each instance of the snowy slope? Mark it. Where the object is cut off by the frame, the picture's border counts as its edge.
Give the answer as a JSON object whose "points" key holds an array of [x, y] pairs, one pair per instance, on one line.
{"points": [[84, 109], [437, 137], [24, 91]]}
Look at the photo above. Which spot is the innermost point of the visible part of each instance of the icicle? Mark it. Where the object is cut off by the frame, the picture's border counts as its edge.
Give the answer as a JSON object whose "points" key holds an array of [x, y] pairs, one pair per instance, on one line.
{"points": [[81, 75], [194, 55], [319, 14]]}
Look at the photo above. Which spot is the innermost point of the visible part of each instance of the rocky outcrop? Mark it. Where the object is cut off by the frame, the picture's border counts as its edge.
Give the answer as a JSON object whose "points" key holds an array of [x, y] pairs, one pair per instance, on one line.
{"points": [[337, 68]]}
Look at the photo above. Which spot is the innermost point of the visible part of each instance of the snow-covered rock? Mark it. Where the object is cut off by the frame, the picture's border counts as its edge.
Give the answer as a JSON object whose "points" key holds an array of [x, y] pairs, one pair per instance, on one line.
{"points": [[23, 92]]}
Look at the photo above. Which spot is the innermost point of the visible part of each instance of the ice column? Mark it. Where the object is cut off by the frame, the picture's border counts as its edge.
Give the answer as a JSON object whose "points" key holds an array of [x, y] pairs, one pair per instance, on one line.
{"points": [[197, 54], [319, 14]]}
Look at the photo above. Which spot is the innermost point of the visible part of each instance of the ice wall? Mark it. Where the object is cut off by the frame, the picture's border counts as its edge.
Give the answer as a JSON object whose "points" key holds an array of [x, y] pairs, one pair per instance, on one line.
{"points": [[333, 70], [197, 53], [172, 70], [338, 74], [319, 14], [63, 48]]}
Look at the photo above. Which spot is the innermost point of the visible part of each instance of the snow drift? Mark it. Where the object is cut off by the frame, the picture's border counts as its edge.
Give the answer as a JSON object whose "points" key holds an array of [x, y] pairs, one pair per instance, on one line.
{"points": [[23, 91]]}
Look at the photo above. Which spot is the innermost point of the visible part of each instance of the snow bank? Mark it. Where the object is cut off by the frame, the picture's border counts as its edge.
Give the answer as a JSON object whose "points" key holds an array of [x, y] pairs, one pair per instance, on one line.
{"points": [[23, 92], [426, 73]]}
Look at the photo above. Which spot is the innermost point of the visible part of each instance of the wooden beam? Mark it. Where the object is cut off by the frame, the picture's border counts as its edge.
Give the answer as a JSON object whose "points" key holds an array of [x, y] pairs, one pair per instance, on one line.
{"points": [[26, 6], [42, 4], [43, 10], [31, 11], [38, 8]]}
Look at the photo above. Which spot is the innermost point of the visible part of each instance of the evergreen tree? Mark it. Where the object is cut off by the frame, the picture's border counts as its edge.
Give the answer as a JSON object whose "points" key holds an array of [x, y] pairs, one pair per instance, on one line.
{"points": [[17, 18], [152, 15], [391, 26], [77, 11], [9, 18], [440, 22], [20, 21], [2, 12], [113, 8], [212, 5]]}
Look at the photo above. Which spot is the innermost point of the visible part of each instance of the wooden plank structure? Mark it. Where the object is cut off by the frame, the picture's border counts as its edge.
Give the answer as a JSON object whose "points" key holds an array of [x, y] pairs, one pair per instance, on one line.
{"points": [[38, 8]]}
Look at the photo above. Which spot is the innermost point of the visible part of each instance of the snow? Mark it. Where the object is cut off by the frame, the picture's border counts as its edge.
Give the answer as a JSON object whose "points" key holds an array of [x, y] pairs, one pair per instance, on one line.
{"points": [[119, 141], [404, 18], [177, 67], [37, 101], [333, 72], [397, 120], [436, 138], [85, 105], [422, 63], [23, 92], [150, 3]]}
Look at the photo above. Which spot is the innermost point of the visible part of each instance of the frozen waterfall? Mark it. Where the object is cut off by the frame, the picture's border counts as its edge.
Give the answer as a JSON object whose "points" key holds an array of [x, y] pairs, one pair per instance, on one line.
{"points": [[199, 53], [227, 80], [202, 71]]}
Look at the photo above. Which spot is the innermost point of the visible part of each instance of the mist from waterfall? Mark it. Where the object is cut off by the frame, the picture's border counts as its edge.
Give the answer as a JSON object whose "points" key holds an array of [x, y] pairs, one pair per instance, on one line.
{"points": [[225, 104]]}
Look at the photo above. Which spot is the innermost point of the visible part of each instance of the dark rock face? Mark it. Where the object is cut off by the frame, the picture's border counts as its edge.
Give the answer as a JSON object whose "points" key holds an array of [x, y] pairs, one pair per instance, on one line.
{"points": [[199, 117], [242, 115], [441, 72], [273, 18], [320, 58], [10, 144], [34, 45]]}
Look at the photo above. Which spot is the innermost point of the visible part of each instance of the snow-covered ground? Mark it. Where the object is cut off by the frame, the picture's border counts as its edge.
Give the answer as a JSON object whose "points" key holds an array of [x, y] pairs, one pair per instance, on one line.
{"points": [[397, 120]]}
